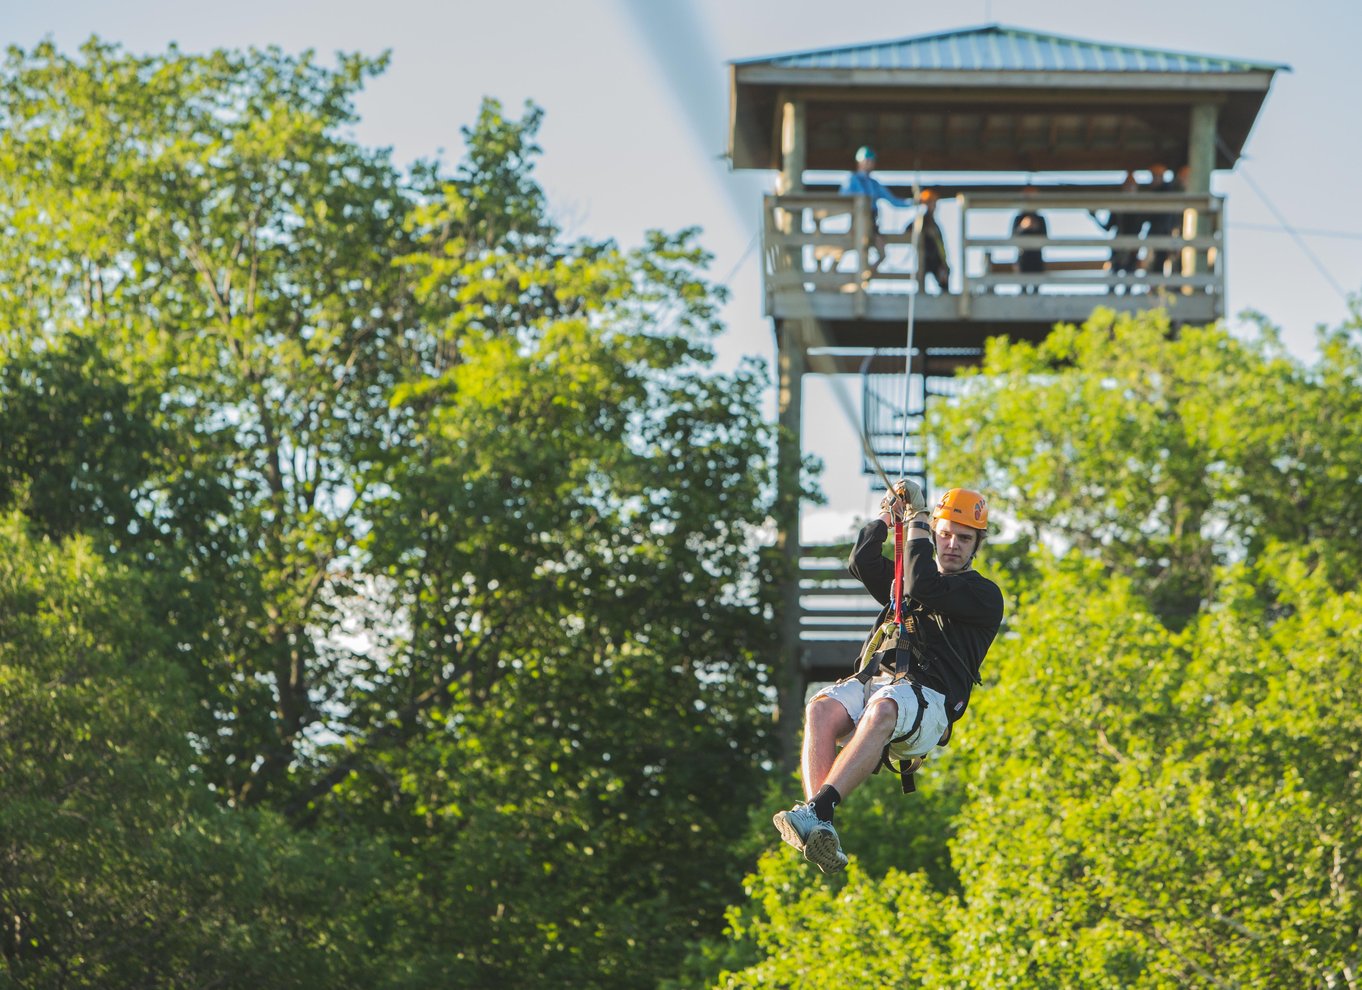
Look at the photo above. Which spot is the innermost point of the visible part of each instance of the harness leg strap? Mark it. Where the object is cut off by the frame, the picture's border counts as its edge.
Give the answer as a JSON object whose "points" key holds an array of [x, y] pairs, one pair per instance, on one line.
{"points": [[909, 765]]}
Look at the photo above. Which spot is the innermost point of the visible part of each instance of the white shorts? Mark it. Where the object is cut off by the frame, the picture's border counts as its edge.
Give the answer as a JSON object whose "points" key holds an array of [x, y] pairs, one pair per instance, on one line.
{"points": [[856, 697]]}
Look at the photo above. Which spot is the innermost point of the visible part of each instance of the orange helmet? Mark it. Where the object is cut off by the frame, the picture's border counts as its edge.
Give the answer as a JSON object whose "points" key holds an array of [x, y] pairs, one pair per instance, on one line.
{"points": [[964, 506]]}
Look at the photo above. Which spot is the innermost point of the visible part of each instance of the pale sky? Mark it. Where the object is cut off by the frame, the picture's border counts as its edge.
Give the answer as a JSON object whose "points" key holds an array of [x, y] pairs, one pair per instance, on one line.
{"points": [[635, 95]]}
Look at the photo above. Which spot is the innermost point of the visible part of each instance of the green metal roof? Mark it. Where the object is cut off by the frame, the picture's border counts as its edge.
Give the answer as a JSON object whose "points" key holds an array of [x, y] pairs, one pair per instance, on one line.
{"points": [[993, 98], [998, 48]]}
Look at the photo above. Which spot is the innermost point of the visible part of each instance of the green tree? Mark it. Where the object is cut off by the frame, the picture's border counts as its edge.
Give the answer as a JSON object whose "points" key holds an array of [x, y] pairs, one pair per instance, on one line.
{"points": [[1146, 808], [203, 224], [1179, 822], [117, 866], [570, 716], [447, 520]]}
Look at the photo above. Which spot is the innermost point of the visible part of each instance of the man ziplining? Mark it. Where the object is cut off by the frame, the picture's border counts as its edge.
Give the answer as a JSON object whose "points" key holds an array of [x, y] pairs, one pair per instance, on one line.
{"points": [[917, 667]]}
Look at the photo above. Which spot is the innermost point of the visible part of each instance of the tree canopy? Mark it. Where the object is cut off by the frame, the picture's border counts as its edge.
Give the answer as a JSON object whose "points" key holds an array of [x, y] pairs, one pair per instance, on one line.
{"points": [[443, 527]]}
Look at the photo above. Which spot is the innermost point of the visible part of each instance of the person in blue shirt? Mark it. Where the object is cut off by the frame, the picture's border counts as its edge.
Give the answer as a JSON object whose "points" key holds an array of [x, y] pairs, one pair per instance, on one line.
{"points": [[862, 183]]}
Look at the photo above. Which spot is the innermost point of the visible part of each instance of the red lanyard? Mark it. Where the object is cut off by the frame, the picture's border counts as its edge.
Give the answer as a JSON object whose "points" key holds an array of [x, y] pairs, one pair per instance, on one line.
{"points": [[898, 573]]}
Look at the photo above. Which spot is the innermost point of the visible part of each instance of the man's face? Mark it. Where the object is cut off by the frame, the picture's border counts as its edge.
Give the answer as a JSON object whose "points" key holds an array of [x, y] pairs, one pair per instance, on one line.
{"points": [[955, 545]]}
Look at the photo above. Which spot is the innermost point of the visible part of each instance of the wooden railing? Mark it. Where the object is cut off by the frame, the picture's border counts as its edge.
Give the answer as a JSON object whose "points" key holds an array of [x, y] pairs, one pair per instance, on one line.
{"points": [[824, 243]]}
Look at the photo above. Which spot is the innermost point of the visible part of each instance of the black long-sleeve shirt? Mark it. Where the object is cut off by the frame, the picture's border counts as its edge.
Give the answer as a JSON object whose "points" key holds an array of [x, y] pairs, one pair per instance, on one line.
{"points": [[956, 616]]}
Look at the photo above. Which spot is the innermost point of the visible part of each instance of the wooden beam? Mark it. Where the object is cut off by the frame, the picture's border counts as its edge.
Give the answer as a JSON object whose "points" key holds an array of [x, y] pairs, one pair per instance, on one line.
{"points": [[793, 142], [789, 445], [830, 659], [931, 365], [1201, 153]]}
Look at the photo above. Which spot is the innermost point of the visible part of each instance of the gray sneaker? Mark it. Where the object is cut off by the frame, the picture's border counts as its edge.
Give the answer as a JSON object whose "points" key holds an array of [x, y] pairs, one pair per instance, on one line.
{"points": [[816, 839]]}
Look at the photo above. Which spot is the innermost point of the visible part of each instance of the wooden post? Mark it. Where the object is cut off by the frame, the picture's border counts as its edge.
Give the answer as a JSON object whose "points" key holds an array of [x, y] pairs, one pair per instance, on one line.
{"points": [[1217, 262], [791, 361], [962, 304], [792, 145], [1200, 163], [862, 236], [791, 178]]}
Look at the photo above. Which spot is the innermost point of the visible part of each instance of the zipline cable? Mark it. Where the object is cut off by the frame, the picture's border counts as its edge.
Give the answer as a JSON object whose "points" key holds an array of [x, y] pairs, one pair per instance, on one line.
{"points": [[825, 366], [919, 282], [787, 284], [1276, 228], [912, 312], [747, 253], [1281, 219], [670, 30]]}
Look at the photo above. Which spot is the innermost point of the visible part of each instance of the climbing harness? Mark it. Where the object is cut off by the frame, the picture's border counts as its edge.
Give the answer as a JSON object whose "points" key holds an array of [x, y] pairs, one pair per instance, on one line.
{"points": [[893, 648]]}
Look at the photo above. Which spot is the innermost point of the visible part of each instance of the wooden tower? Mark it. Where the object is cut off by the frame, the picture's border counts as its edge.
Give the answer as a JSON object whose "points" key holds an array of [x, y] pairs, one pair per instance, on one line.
{"points": [[1002, 120]]}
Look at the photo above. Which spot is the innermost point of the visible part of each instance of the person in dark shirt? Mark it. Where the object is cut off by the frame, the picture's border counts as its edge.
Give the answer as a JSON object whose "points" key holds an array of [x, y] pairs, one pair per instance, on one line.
{"points": [[1126, 223], [1167, 224], [953, 613], [1029, 223], [931, 247]]}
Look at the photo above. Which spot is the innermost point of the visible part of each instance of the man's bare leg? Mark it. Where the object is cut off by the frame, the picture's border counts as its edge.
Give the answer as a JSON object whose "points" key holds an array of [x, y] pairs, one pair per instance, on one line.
{"points": [[859, 758], [826, 721], [873, 269], [808, 827]]}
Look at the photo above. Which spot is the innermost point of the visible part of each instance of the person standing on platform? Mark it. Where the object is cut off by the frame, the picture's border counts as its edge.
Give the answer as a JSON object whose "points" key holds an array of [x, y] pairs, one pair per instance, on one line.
{"points": [[1029, 223], [931, 247], [862, 183], [1163, 224], [1124, 260]]}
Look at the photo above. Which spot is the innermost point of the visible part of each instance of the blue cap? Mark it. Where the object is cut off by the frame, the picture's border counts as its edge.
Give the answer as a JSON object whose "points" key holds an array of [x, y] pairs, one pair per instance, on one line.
{"points": [[865, 153]]}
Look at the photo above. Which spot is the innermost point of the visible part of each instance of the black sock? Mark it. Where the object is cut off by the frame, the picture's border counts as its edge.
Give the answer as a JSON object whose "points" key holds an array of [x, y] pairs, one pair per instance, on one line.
{"points": [[825, 802]]}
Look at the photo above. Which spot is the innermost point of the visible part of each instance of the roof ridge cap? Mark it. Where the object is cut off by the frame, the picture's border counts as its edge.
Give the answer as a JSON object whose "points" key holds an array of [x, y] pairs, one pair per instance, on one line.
{"points": [[1000, 28]]}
